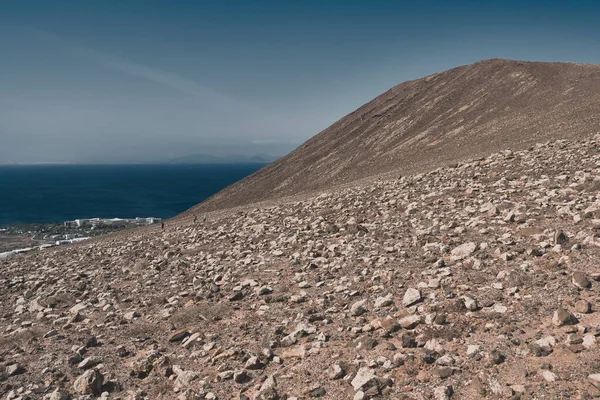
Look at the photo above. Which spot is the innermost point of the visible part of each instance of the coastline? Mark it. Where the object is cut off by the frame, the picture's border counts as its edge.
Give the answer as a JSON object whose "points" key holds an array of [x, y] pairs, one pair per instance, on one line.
{"points": [[23, 238]]}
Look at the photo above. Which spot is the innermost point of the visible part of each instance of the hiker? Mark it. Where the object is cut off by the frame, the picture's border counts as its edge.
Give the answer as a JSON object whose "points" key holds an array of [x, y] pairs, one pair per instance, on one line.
{"points": [[205, 219], [162, 225]]}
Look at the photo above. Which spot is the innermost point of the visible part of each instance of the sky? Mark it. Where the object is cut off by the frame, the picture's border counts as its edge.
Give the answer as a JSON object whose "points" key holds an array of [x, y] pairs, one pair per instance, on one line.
{"points": [[106, 81]]}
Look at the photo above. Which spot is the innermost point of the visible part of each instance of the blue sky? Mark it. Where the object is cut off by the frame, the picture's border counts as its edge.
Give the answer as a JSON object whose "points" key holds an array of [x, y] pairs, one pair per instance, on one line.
{"points": [[134, 81]]}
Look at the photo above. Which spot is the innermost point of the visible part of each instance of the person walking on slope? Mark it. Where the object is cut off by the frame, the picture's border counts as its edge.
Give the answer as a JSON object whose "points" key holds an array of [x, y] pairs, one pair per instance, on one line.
{"points": [[205, 219]]}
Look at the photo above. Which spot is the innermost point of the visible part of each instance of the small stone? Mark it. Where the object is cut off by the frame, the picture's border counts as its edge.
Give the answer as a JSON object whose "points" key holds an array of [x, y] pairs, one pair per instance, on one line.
{"points": [[433, 283], [58, 395], [538, 351], [89, 362], [389, 324], [583, 306], [90, 382], [470, 303], [268, 390], [90, 341], [581, 280], [78, 307], [443, 372], [263, 290], [364, 378], [496, 357], [440, 319], [410, 322], [409, 341], [588, 341], [560, 238], [472, 350], [178, 336], [122, 351], [548, 342], [443, 393], [548, 376], [563, 317], [383, 301], [241, 377], [411, 296], [253, 363], [14, 369], [463, 251], [318, 392], [237, 296], [357, 308], [51, 333], [594, 379], [131, 315], [446, 360], [336, 372], [294, 352], [184, 378], [225, 375], [192, 340]]}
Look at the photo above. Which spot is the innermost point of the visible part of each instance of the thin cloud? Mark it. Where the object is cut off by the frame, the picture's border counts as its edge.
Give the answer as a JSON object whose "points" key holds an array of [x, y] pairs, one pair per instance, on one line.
{"points": [[163, 78]]}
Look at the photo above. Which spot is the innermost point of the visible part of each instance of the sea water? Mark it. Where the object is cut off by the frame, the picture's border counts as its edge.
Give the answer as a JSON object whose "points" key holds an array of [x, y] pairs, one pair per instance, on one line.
{"points": [[57, 193]]}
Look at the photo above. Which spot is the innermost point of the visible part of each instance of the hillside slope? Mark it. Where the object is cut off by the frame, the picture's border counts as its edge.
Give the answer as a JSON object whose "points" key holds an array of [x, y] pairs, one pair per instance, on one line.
{"points": [[468, 111], [479, 281]]}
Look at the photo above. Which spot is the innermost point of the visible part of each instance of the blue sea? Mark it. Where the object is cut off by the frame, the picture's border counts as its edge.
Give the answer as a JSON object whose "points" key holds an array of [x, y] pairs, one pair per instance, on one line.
{"points": [[57, 193]]}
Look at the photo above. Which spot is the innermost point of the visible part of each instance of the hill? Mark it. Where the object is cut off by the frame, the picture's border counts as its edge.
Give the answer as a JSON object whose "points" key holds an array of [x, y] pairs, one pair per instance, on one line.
{"points": [[474, 281], [469, 111], [473, 275]]}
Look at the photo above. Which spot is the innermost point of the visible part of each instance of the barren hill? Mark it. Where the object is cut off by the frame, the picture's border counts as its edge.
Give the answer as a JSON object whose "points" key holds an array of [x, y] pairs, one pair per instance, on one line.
{"points": [[478, 281], [468, 111], [474, 280]]}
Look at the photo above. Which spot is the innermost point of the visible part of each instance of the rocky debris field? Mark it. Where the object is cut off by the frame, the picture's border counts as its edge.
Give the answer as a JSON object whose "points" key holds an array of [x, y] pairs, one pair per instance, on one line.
{"points": [[477, 280]]}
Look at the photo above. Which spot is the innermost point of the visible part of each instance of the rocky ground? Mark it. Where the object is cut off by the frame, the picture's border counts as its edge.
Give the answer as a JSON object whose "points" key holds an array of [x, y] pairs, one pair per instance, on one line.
{"points": [[477, 280]]}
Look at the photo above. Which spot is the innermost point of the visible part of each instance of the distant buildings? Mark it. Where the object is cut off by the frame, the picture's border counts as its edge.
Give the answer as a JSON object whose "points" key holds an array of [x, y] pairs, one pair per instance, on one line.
{"points": [[59, 238], [94, 222]]}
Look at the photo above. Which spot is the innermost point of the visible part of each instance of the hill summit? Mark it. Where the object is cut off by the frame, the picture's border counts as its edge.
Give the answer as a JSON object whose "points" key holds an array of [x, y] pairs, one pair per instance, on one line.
{"points": [[468, 111]]}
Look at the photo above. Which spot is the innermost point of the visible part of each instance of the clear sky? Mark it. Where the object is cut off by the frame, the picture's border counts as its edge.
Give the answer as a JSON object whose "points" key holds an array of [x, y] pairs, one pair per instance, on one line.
{"points": [[135, 81]]}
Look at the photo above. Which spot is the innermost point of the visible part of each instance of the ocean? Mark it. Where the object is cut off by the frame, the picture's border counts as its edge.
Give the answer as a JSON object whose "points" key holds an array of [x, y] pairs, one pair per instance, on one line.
{"points": [[58, 193]]}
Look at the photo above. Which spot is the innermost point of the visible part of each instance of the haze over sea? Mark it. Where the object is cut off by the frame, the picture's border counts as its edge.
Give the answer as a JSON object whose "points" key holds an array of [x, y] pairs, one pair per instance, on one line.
{"points": [[57, 193]]}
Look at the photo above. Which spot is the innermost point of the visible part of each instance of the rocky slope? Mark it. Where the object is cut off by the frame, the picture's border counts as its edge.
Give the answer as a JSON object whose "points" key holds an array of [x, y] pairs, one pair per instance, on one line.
{"points": [[464, 112], [477, 280]]}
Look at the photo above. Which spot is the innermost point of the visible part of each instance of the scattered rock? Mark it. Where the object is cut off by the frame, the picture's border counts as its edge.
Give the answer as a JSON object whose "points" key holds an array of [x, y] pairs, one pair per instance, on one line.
{"points": [[581, 280], [463, 251], [364, 378], [14, 369], [358, 308], [583, 306], [411, 296], [178, 335], [563, 317], [90, 382], [336, 372], [594, 379]]}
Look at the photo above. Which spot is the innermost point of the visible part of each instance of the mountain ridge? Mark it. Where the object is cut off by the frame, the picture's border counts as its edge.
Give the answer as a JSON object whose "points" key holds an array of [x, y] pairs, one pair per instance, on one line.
{"points": [[467, 111], [202, 158]]}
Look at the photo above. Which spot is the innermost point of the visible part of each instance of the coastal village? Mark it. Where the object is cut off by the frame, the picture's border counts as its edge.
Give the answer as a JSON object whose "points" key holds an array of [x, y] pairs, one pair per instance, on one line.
{"points": [[18, 239]]}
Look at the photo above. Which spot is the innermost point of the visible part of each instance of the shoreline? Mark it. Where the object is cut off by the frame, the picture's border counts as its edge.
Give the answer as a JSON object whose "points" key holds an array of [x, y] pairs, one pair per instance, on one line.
{"points": [[22, 238]]}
